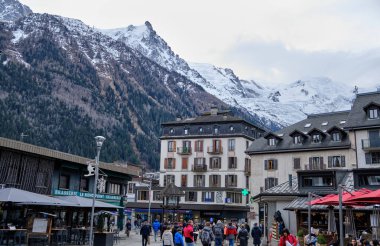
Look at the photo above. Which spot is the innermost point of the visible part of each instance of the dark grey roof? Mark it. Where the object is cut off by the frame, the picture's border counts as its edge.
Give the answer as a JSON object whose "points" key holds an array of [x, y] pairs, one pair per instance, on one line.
{"points": [[357, 117], [286, 144], [284, 188]]}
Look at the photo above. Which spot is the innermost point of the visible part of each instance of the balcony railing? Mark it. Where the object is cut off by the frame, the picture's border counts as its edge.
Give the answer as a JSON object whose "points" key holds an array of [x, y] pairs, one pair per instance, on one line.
{"points": [[371, 143], [184, 150], [315, 167], [215, 150], [199, 168]]}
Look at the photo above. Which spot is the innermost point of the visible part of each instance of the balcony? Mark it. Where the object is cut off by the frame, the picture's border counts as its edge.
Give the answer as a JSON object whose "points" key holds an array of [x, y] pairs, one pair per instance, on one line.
{"points": [[184, 150], [213, 150], [315, 167], [199, 168], [371, 144]]}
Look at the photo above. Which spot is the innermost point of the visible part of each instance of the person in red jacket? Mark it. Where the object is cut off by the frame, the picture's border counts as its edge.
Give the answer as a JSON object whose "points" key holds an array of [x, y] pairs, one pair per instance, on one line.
{"points": [[287, 237], [231, 234], [188, 233]]}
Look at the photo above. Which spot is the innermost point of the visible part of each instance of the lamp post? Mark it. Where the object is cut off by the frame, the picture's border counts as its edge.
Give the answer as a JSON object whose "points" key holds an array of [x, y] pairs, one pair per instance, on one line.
{"points": [[99, 143], [310, 196]]}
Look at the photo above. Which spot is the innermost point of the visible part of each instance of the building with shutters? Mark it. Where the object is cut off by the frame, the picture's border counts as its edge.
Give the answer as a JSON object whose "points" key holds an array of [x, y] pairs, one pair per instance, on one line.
{"points": [[205, 156]]}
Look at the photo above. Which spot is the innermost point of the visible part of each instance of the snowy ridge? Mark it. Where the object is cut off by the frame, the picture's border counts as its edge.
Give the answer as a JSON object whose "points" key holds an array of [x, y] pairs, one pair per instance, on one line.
{"points": [[11, 10]]}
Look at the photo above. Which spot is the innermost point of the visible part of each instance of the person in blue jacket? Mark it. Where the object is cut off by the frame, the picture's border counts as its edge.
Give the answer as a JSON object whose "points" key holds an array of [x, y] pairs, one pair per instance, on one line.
{"points": [[178, 238], [156, 229]]}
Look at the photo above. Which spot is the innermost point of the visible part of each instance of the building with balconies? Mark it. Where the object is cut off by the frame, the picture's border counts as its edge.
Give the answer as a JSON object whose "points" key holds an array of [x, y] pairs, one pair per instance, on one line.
{"points": [[205, 156]]}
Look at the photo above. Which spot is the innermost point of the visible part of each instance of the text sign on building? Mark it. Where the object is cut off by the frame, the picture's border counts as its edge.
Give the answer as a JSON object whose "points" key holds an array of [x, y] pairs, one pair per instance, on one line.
{"points": [[85, 194]]}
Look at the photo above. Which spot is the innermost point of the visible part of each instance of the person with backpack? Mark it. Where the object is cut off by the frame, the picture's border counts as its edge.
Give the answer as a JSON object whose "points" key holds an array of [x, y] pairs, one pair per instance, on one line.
{"points": [[256, 234], [207, 236], [178, 239], [128, 227], [188, 233], [243, 236], [231, 234], [218, 233], [167, 236], [156, 228], [145, 233]]}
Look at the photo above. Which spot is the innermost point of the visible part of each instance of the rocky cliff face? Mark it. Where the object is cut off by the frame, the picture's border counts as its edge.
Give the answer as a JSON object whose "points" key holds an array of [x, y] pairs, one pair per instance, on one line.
{"points": [[11, 10]]}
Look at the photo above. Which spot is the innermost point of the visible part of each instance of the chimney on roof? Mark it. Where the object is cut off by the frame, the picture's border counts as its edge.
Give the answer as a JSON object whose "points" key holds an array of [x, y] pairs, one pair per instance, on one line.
{"points": [[214, 110], [290, 181], [178, 118]]}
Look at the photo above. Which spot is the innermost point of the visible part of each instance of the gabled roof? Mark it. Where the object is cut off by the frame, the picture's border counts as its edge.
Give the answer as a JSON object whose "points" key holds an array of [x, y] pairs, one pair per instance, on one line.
{"points": [[260, 146], [310, 133], [358, 119], [370, 105], [271, 134], [297, 132], [329, 131]]}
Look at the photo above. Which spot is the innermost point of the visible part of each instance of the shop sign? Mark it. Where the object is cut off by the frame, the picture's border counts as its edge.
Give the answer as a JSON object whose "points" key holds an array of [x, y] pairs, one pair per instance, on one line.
{"points": [[85, 194], [211, 213], [228, 200]]}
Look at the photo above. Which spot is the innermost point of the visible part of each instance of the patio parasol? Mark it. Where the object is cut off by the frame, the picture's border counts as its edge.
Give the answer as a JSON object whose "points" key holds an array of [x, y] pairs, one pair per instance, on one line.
{"points": [[372, 197], [78, 201], [15, 195]]}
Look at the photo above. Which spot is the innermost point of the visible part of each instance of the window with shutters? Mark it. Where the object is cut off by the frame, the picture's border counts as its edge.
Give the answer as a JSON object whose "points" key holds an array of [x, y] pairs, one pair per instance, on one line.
{"points": [[157, 195], [142, 195], [231, 144], [216, 147], [185, 162], [183, 180], [186, 131], [191, 196], [316, 163], [232, 162], [270, 182], [296, 163], [231, 180], [297, 139], [131, 188], [171, 146], [199, 161], [216, 130], [316, 138], [247, 166], [215, 162], [199, 146], [233, 197], [215, 181], [199, 181], [372, 158], [272, 142], [208, 196], [271, 164], [337, 161], [168, 179], [169, 163]]}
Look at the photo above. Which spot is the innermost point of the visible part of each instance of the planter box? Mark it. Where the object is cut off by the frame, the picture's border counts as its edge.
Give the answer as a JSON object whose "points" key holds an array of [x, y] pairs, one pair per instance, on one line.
{"points": [[103, 239]]}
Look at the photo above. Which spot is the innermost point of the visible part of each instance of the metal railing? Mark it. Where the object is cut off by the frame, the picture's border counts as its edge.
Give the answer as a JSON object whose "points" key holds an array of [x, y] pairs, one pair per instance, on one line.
{"points": [[215, 150], [184, 150], [199, 168], [371, 143], [315, 166]]}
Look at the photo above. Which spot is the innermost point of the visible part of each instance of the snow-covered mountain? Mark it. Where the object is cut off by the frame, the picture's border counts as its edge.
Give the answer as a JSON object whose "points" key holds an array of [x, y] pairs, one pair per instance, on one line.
{"points": [[11, 10], [275, 107]]}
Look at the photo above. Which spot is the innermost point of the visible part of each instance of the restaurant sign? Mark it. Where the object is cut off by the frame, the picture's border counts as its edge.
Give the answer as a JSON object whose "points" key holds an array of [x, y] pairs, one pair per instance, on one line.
{"points": [[85, 194]]}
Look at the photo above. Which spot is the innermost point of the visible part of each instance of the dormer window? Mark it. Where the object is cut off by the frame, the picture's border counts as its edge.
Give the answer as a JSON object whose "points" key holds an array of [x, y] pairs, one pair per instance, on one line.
{"points": [[186, 131], [216, 130], [373, 113], [336, 137], [232, 128], [271, 141], [297, 139], [200, 129], [316, 138], [171, 131]]}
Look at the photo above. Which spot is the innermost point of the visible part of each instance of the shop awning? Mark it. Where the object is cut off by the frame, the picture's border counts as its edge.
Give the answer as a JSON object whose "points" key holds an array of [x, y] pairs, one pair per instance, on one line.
{"points": [[78, 201], [29, 198], [372, 197]]}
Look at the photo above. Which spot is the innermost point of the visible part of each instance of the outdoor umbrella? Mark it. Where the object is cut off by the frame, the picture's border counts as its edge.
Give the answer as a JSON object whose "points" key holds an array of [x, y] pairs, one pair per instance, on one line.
{"points": [[78, 201], [372, 197], [333, 199], [29, 198]]}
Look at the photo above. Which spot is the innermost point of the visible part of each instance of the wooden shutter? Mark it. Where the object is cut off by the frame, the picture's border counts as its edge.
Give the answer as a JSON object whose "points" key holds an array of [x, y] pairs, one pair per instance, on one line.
{"points": [[265, 164], [203, 180], [226, 181], [343, 160], [185, 163], [296, 163], [212, 196], [275, 162], [310, 160], [219, 184], [184, 180], [166, 163], [174, 146], [210, 183], [275, 181], [219, 162], [321, 162], [173, 163], [368, 158], [201, 146], [266, 183], [330, 160]]}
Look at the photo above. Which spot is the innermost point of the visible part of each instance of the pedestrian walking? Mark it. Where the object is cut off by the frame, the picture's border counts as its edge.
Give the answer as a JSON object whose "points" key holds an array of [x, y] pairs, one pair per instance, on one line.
{"points": [[231, 234], [256, 234], [178, 238], [218, 233], [128, 227], [207, 236], [156, 228], [243, 236], [287, 239], [188, 232], [167, 236], [145, 233]]}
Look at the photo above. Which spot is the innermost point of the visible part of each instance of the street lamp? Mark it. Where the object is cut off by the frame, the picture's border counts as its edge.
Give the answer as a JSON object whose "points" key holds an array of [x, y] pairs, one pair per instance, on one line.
{"points": [[149, 183], [99, 143]]}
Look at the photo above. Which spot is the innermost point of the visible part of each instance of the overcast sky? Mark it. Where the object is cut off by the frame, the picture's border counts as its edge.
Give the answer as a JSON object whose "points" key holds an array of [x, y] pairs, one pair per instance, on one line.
{"points": [[270, 41]]}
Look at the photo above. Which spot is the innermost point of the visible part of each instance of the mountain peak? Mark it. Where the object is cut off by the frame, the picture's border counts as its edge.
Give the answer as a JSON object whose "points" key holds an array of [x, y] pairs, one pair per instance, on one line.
{"points": [[148, 25], [11, 10]]}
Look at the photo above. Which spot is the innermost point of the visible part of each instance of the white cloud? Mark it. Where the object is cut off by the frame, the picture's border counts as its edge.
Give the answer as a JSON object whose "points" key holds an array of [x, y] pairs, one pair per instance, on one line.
{"points": [[209, 30]]}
